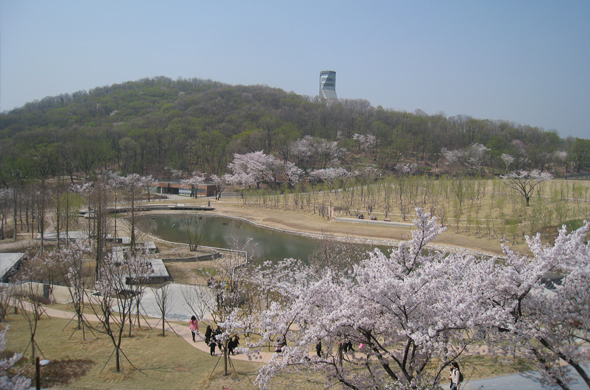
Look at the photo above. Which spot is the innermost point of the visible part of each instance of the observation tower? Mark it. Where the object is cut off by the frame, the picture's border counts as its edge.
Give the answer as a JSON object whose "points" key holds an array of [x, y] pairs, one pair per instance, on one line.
{"points": [[328, 85]]}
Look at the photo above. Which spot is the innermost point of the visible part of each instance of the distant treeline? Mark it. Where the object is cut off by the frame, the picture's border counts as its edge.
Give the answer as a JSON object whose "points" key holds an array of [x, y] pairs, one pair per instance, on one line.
{"points": [[198, 125]]}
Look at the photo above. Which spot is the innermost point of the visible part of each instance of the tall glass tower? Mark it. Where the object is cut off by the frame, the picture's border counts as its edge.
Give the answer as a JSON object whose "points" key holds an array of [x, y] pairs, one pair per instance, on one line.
{"points": [[328, 85]]}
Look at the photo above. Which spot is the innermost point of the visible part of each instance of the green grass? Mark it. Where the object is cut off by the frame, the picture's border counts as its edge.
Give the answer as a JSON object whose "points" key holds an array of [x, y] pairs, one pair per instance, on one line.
{"points": [[574, 224]]}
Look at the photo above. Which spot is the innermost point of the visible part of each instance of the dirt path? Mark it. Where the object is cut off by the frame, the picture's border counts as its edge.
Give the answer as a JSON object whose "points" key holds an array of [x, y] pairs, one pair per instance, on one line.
{"points": [[21, 245]]}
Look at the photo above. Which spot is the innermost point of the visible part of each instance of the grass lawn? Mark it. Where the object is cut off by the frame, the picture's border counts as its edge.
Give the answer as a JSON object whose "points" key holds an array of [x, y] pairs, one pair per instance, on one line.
{"points": [[158, 362]]}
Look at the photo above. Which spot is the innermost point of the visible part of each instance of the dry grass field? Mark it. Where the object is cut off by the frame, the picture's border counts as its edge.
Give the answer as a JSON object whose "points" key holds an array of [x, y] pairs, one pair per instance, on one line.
{"points": [[479, 213]]}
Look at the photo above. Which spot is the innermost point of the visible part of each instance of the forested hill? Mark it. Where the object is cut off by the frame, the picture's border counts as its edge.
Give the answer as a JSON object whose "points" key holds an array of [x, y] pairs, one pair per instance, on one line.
{"points": [[198, 125]]}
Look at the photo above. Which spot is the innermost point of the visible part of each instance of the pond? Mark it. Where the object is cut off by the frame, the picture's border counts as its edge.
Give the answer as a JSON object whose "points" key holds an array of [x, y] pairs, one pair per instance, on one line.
{"points": [[221, 232]]}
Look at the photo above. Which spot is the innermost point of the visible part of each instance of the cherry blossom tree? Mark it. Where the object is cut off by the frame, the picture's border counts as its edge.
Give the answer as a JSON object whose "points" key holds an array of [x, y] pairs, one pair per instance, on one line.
{"points": [[317, 151], [170, 173], [220, 185], [526, 182], [291, 172], [508, 160], [561, 157], [409, 310], [365, 142], [29, 300], [406, 168], [115, 182], [419, 308], [470, 158], [328, 176], [235, 298], [551, 326], [6, 382], [97, 196], [194, 181], [251, 169]]}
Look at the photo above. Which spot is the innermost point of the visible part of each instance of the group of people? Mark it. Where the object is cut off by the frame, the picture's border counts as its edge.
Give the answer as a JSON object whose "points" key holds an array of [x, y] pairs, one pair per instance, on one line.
{"points": [[211, 340], [211, 337]]}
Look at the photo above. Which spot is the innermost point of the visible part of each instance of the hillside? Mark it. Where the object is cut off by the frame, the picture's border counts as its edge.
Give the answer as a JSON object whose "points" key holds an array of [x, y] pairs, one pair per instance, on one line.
{"points": [[198, 125]]}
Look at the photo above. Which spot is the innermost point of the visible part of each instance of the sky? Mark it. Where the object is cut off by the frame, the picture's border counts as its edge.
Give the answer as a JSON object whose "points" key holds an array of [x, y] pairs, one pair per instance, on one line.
{"points": [[522, 61]]}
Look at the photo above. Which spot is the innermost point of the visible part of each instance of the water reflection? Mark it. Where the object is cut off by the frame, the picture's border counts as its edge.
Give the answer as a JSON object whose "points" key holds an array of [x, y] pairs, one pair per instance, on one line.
{"points": [[224, 232]]}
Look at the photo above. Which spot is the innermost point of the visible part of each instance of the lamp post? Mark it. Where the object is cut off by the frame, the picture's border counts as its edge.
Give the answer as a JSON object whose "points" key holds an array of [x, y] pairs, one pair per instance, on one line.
{"points": [[38, 364]]}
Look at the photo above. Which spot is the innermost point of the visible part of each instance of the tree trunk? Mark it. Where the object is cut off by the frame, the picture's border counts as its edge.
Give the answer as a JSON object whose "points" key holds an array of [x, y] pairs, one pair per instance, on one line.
{"points": [[117, 360], [225, 357]]}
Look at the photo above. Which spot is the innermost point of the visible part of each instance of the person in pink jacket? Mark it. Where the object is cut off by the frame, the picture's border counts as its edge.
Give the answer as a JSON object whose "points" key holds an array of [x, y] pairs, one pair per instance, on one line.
{"points": [[194, 327]]}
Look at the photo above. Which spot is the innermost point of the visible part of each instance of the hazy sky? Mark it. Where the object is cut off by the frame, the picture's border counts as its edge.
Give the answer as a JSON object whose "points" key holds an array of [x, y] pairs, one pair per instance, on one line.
{"points": [[522, 61]]}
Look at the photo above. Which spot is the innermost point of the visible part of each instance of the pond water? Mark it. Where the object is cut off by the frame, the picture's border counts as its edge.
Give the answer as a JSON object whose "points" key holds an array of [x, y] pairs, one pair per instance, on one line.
{"points": [[221, 232]]}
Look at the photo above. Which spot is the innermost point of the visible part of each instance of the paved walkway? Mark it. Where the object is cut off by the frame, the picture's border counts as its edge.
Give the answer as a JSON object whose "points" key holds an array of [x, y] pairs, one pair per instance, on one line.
{"points": [[181, 330], [524, 381]]}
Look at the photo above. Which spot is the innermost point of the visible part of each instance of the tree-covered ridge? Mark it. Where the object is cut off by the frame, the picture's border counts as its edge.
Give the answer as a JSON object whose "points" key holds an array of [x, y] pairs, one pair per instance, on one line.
{"points": [[198, 125]]}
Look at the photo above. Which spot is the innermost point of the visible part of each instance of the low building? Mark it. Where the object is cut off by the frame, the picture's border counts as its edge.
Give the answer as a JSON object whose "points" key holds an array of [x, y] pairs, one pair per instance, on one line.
{"points": [[9, 264], [157, 274], [72, 236], [177, 188]]}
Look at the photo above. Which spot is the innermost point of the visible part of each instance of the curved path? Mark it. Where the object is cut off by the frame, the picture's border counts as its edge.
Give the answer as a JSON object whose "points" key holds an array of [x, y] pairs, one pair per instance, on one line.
{"points": [[181, 330]]}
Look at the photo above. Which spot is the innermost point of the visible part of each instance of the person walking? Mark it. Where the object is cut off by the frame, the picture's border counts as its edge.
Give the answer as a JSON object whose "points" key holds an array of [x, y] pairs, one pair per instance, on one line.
{"points": [[455, 376], [208, 334], [194, 327], [215, 341], [348, 346], [233, 344], [212, 345], [281, 342], [318, 348]]}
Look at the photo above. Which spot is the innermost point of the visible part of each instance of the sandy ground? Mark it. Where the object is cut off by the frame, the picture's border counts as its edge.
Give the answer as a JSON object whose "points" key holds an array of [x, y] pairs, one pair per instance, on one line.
{"points": [[300, 222]]}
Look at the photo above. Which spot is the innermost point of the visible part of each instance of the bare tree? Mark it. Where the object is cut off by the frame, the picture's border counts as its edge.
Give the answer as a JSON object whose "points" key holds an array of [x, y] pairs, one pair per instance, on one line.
{"points": [[338, 255], [5, 195], [114, 294], [199, 299], [96, 195], [30, 300], [134, 186], [6, 299], [70, 263], [193, 227], [163, 297]]}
